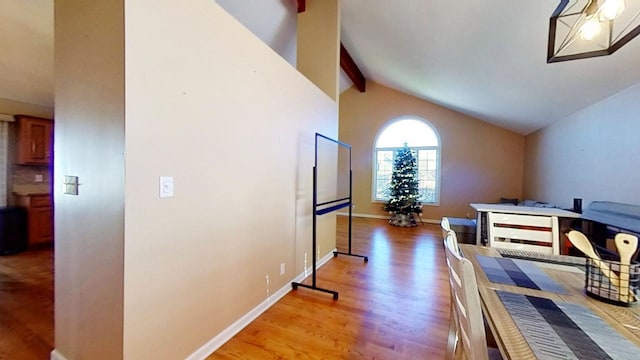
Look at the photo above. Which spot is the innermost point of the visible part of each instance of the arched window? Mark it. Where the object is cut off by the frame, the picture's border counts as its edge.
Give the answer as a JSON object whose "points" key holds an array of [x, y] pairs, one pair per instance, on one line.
{"points": [[424, 141]]}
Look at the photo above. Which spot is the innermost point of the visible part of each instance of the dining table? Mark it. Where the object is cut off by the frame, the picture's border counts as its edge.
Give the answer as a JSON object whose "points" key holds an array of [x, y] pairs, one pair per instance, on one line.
{"points": [[540, 310]]}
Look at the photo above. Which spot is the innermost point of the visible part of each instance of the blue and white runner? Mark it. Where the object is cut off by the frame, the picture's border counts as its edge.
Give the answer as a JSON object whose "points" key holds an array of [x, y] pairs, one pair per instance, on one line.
{"points": [[518, 272], [560, 330]]}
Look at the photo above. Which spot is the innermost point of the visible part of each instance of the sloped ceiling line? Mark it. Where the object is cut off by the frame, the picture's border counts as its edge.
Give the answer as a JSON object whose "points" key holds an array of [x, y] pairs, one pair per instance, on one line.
{"points": [[351, 69], [489, 73]]}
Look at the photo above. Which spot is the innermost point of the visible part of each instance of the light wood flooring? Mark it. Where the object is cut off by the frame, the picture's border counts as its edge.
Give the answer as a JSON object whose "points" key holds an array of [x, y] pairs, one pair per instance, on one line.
{"points": [[396, 306], [26, 305]]}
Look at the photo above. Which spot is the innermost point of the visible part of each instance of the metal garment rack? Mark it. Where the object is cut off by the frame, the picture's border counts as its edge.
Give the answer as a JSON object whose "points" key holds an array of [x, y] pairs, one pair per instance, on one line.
{"points": [[336, 204]]}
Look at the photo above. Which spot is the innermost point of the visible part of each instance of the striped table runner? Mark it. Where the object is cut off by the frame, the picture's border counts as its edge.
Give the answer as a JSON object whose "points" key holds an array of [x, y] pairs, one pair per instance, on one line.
{"points": [[518, 272], [560, 330]]}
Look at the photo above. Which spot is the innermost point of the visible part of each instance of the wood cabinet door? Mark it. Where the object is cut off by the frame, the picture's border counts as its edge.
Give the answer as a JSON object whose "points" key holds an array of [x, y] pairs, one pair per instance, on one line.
{"points": [[39, 151], [35, 140], [41, 225], [40, 217]]}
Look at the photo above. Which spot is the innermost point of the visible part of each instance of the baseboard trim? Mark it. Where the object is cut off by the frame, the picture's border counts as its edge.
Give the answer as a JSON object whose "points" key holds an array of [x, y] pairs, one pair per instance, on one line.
{"points": [[382, 217], [56, 355], [212, 345], [385, 217]]}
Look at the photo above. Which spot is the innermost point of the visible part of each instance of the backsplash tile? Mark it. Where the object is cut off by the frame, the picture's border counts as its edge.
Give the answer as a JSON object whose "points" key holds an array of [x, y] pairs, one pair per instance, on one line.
{"points": [[26, 174]]}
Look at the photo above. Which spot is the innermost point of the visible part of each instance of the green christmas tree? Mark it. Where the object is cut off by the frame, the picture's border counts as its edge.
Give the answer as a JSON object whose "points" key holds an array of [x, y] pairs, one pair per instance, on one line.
{"points": [[403, 189]]}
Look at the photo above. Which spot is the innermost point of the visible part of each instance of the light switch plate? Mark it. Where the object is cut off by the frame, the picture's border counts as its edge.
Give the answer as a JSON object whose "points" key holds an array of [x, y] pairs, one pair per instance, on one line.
{"points": [[70, 185], [166, 186]]}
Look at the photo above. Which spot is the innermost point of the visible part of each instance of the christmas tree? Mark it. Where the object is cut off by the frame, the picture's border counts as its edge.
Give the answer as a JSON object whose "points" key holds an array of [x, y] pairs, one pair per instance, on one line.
{"points": [[403, 189]]}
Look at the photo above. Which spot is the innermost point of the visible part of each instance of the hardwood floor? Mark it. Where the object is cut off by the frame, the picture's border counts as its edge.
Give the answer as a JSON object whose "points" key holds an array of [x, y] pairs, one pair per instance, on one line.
{"points": [[26, 305], [396, 306]]}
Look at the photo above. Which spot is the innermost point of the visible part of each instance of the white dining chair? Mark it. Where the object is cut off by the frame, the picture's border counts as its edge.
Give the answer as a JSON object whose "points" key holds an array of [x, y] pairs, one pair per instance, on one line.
{"points": [[523, 232], [470, 340], [452, 337], [446, 227]]}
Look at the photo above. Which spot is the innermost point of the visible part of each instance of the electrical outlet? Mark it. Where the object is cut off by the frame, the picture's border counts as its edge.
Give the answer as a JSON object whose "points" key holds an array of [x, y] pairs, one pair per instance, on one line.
{"points": [[267, 290], [38, 178], [282, 268]]}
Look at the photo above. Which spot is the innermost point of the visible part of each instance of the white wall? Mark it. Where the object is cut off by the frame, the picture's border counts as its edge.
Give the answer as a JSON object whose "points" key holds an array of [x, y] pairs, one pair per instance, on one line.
{"points": [[213, 106], [89, 143], [150, 88], [592, 154], [26, 64], [273, 21]]}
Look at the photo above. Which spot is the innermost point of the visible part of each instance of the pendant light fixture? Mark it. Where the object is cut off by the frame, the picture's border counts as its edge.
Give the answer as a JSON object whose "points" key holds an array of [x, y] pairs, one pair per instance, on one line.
{"points": [[581, 29]]}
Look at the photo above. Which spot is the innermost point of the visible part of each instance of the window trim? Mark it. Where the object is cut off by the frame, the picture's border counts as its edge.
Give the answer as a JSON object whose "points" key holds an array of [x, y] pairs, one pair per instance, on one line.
{"points": [[438, 149]]}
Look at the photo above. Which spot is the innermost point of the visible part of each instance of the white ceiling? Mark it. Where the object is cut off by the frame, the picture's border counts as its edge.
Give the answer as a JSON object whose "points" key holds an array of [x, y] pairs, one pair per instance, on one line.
{"points": [[485, 58], [26, 42]]}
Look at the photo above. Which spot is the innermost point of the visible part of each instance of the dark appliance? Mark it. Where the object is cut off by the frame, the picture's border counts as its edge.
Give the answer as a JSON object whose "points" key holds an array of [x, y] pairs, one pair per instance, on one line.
{"points": [[13, 230]]}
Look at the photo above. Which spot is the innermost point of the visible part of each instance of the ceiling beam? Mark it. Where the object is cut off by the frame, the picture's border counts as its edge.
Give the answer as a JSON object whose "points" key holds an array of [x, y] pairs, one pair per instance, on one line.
{"points": [[302, 6], [351, 69]]}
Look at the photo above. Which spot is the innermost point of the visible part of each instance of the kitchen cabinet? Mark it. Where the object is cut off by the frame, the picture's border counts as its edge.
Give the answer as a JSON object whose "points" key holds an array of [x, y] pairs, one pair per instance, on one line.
{"points": [[35, 140], [39, 217]]}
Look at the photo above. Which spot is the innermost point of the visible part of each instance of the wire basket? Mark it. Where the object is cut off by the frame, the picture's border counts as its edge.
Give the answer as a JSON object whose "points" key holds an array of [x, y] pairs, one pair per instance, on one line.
{"points": [[612, 282]]}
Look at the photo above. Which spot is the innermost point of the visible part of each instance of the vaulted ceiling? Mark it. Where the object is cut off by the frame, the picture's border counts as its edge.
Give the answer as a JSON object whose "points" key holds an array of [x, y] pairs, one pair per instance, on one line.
{"points": [[483, 58]]}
